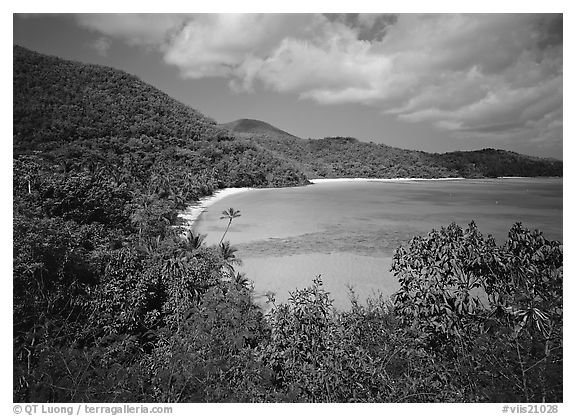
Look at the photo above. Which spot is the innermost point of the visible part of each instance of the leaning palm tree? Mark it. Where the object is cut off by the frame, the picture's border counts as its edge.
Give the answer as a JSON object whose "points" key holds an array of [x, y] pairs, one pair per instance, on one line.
{"points": [[230, 214]]}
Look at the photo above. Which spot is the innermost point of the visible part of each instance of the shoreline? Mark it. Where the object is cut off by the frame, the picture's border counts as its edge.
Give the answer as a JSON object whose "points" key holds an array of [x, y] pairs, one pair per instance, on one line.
{"points": [[329, 180], [192, 212]]}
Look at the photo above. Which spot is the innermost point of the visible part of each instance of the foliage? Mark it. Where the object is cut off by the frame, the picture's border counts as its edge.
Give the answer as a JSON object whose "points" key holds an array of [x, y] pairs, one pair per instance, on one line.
{"points": [[440, 277], [492, 163], [59, 101], [210, 357], [498, 309], [230, 260], [334, 157], [110, 124], [102, 164]]}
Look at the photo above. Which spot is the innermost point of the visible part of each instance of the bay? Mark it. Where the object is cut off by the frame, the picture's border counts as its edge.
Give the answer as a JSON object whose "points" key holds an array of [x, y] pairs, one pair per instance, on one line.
{"points": [[347, 231]]}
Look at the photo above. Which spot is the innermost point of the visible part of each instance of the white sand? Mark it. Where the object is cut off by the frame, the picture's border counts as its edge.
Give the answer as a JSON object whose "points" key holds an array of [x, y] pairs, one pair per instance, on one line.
{"points": [[324, 180], [192, 212]]}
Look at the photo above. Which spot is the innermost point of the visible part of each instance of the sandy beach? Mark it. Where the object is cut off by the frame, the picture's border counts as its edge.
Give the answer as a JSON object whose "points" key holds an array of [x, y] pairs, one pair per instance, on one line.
{"points": [[325, 180], [192, 212]]}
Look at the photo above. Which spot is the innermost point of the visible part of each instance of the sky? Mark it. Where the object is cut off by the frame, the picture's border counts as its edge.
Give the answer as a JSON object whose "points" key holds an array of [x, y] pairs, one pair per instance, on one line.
{"points": [[432, 82]]}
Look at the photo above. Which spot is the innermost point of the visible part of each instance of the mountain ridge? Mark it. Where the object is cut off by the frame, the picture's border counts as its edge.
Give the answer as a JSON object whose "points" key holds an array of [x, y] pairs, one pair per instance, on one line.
{"points": [[253, 126], [74, 115], [245, 126], [348, 156]]}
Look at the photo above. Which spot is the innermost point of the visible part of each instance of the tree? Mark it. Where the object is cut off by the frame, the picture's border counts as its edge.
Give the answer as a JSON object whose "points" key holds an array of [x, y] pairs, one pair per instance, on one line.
{"points": [[27, 168], [193, 241], [228, 254], [494, 310], [230, 214], [241, 281], [440, 276]]}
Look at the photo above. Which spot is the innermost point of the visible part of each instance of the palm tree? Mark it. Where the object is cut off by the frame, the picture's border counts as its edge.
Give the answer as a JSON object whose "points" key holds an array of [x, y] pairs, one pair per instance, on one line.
{"points": [[193, 241], [230, 214], [241, 281], [227, 251]]}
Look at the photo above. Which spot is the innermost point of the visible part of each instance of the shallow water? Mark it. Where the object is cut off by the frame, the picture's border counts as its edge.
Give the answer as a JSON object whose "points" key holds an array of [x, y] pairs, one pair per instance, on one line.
{"points": [[348, 231]]}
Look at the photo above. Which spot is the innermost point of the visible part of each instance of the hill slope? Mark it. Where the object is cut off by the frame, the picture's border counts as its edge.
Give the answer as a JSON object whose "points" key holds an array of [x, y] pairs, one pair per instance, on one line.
{"points": [[103, 162], [250, 126], [349, 157], [78, 114], [60, 101]]}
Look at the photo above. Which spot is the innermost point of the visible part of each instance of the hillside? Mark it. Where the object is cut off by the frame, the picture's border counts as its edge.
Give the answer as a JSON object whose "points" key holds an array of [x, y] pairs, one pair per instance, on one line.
{"points": [[349, 157], [250, 126], [103, 163], [61, 101], [497, 163], [68, 110], [339, 156]]}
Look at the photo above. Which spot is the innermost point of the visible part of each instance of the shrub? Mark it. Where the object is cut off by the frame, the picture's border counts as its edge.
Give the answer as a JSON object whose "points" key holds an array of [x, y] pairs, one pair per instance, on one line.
{"points": [[495, 310]]}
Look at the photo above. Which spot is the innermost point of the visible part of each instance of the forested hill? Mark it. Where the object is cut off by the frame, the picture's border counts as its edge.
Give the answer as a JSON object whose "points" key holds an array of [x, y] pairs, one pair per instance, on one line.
{"points": [[74, 115], [496, 163], [61, 101], [250, 126], [349, 157], [102, 165]]}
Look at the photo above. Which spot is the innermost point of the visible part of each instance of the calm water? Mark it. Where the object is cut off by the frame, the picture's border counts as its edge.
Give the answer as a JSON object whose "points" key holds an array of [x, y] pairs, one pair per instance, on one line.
{"points": [[348, 231]]}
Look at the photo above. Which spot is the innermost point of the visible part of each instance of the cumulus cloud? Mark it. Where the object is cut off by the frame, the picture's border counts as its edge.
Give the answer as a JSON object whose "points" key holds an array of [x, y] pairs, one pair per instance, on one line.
{"points": [[135, 29], [228, 45], [497, 76]]}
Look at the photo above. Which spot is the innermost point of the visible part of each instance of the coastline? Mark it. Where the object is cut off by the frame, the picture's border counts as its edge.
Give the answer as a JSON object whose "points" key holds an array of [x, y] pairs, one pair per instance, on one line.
{"points": [[193, 211], [329, 180]]}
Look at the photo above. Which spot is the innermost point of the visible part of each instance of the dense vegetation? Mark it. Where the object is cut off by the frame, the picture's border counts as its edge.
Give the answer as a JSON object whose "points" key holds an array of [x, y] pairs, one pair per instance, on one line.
{"points": [[494, 163], [255, 127], [83, 117], [334, 157], [113, 302]]}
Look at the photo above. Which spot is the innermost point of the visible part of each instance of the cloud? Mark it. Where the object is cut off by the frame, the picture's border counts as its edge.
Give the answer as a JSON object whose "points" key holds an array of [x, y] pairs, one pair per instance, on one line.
{"points": [[472, 75], [101, 45], [232, 46], [136, 29]]}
